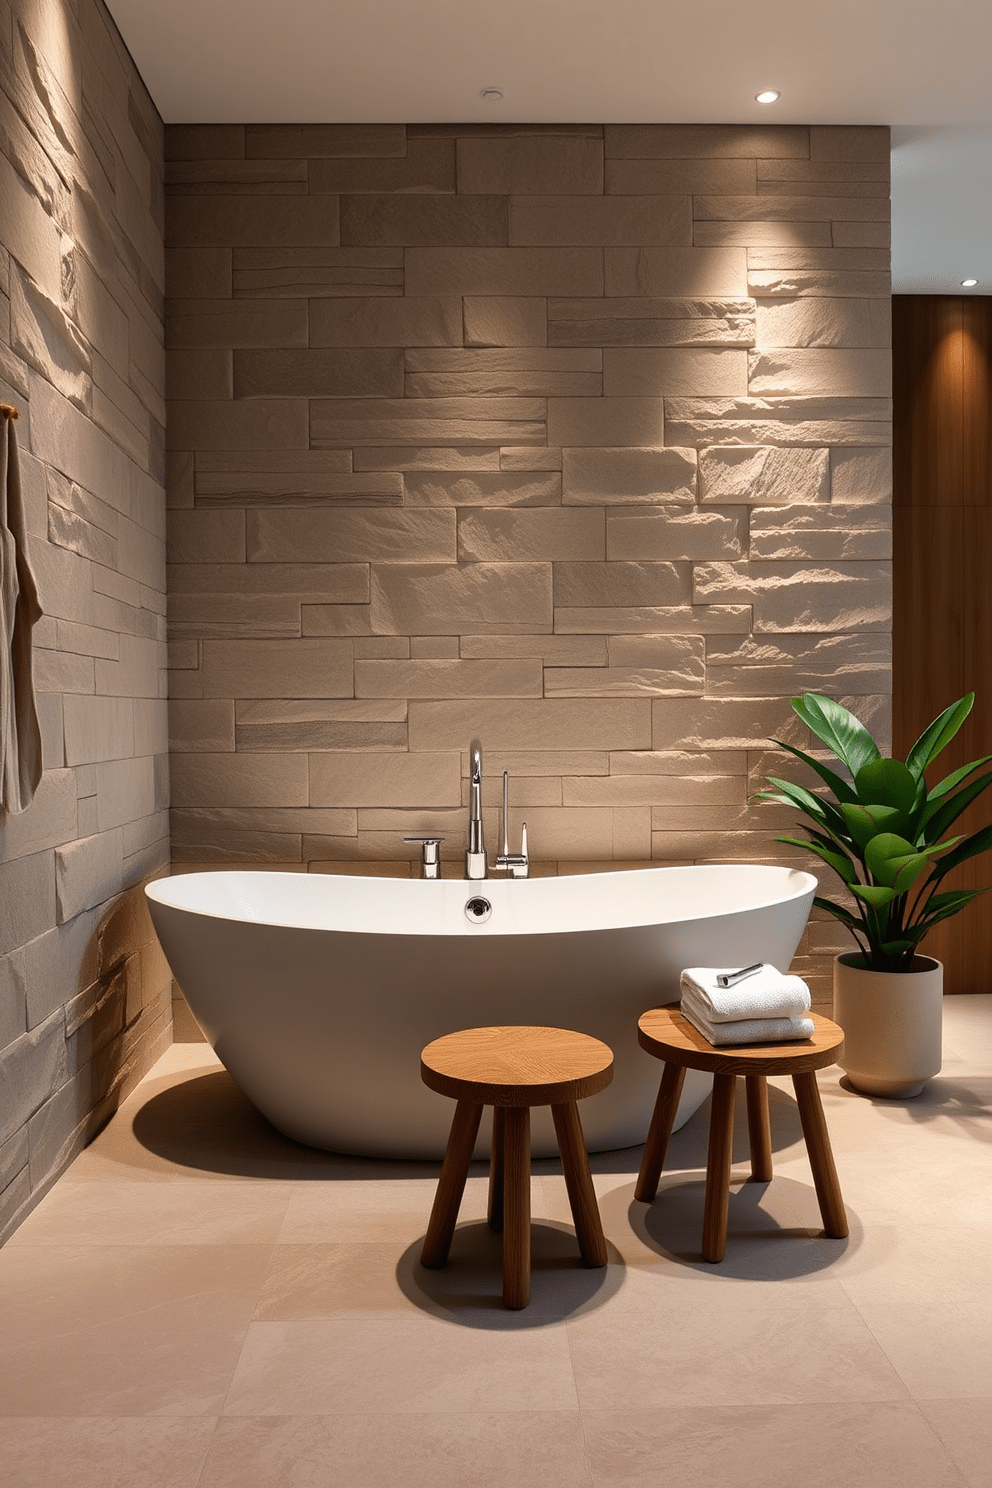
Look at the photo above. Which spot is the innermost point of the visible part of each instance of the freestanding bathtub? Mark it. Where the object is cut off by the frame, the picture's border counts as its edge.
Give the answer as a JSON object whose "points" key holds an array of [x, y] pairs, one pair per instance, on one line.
{"points": [[318, 991]]}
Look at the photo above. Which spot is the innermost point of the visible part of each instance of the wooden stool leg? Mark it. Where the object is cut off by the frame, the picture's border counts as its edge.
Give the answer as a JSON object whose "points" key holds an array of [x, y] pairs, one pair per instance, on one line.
{"points": [[496, 1171], [659, 1132], [758, 1129], [718, 1168], [451, 1184], [821, 1158], [516, 1207], [578, 1183]]}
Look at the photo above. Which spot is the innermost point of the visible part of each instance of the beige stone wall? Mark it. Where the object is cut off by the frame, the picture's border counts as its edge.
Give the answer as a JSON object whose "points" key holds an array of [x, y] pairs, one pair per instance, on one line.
{"points": [[575, 438], [84, 994]]}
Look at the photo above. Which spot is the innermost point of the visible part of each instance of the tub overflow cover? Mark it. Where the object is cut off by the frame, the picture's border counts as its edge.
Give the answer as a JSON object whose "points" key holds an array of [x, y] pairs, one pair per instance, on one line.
{"points": [[477, 911]]}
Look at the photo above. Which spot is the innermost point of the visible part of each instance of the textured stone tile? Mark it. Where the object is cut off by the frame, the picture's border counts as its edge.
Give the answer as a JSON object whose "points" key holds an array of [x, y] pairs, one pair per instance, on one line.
{"points": [[46, 338], [607, 422], [529, 459], [205, 373], [316, 272], [414, 780], [205, 142], [790, 283], [793, 209], [487, 488], [531, 165], [738, 176], [418, 221], [505, 320], [211, 780], [206, 537], [264, 819], [258, 711], [638, 372], [431, 647], [697, 771], [784, 422], [271, 738], [336, 620], [856, 322], [803, 597], [832, 372], [262, 424], [275, 668], [294, 534], [651, 321], [30, 235], [849, 142], [706, 141], [611, 221], [685, 676], [227, 616], [331, 141], [201, 724], [498, 598], [226, 323], [34, 1063], [353, 372], [450, 460], [862, 234], [854, 261], [97, 728], [432, 421], [724, 723], [675, 533], [508, 271], [126, 792], [861, 475], [755, 232], [762, 476], [530, 536], [236, 178], [63, 437], [448, 679], [198, 273], [70, 530], [624, 474], [548, 724], [627, 583], [316, 583], [427, 320], [87, 873], [427, 166], [654, 619], [538, 372], [651, 789], [672, 271], [761, 666], [50, 819], [252, 222], [834, 530], [137, 673], [552, 650]]}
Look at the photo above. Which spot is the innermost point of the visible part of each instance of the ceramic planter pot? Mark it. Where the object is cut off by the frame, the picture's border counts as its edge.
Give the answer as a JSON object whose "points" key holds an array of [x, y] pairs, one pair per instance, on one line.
{"points": [[891, 1022]]}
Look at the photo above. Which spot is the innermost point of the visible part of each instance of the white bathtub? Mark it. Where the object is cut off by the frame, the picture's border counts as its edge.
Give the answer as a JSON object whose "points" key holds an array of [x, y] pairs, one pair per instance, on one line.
{"points": [[318, 991]]}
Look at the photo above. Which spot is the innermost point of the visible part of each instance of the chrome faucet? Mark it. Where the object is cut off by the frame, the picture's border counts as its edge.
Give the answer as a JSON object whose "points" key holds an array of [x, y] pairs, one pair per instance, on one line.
{"points": [[475, 856], [517, 865]]}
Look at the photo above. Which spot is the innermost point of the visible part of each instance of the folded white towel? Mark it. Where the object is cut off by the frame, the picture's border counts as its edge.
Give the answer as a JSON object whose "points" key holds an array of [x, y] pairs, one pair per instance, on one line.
{"points": [[768, 993], [749, 1030]]}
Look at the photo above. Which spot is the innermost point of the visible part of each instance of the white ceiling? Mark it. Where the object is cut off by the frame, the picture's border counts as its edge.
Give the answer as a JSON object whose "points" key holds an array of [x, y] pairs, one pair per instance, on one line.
{"points": [[920, 65]]}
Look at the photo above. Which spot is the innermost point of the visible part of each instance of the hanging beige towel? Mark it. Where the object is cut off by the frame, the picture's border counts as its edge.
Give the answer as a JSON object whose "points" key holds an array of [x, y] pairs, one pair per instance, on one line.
{"points": [[20, 736]]}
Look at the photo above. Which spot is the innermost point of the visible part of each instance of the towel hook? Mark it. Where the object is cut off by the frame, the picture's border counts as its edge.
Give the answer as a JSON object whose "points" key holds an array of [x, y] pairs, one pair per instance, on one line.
{"points": [[8, 411]]}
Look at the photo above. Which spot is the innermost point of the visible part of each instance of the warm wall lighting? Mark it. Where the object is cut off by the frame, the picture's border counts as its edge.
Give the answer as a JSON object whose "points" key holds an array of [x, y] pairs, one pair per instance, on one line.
{"points": [[968, 283], [768, 96]]}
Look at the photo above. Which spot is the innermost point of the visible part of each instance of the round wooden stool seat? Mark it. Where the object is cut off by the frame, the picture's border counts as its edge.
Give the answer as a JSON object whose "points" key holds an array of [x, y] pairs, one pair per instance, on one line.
{"points": [[512, 1069], [666, 1034]]}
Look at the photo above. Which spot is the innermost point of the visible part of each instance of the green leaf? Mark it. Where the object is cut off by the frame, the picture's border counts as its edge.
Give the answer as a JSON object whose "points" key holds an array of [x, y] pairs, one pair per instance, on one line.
{"points": [[839, 729], [839, 913], [874, 894], [840, 788], [943, 787], [937, 822], [865, 822], [887, 782], [834, 860], [937, 734], [978, 842], [940, 906], [879, 852], [797, 795], [897, 947]]}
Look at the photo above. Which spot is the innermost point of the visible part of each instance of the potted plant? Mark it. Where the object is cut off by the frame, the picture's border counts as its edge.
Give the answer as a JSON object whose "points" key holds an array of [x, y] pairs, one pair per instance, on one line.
{"points": [[882, 829]]}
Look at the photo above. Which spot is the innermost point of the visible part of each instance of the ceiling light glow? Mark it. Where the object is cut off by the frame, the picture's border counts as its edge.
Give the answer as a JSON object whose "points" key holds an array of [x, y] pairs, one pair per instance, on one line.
{"points": [[768, 96], [968, 283]]}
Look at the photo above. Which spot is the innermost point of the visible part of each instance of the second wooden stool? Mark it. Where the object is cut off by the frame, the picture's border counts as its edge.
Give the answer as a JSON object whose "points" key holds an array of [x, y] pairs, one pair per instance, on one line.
{"points": [[664, 1033], [512, 1069]]}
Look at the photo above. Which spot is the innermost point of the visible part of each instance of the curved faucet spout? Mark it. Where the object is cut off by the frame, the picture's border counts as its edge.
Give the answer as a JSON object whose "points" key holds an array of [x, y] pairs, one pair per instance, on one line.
{"points": [[475, 857]]}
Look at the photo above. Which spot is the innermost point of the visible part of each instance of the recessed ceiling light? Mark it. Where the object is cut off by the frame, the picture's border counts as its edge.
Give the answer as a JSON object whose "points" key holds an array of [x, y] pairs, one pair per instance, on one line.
{"points": [[968, 283], [768, 96], [492, 95]]}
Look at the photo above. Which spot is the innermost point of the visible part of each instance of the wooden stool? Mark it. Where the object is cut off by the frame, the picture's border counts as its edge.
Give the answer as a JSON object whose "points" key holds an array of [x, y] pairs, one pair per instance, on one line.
{"points": [[512, 1069], [664, 1033]]}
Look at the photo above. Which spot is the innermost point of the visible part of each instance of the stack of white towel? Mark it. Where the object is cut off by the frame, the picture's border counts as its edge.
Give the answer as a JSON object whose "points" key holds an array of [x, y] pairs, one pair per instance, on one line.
{"points": [[763, 1008]]}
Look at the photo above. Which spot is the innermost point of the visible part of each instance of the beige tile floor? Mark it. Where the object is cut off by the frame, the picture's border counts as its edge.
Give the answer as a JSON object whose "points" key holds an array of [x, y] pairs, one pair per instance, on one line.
{"points": [[200, 1303]]}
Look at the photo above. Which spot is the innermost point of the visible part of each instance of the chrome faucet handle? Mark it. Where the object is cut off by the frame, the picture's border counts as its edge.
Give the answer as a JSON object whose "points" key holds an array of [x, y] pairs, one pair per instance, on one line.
{"points": [[516, 864], [430, 857]]}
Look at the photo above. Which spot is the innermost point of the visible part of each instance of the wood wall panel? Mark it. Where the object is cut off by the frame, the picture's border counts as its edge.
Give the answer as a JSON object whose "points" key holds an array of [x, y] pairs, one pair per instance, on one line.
{"points": [[942, 551]]}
